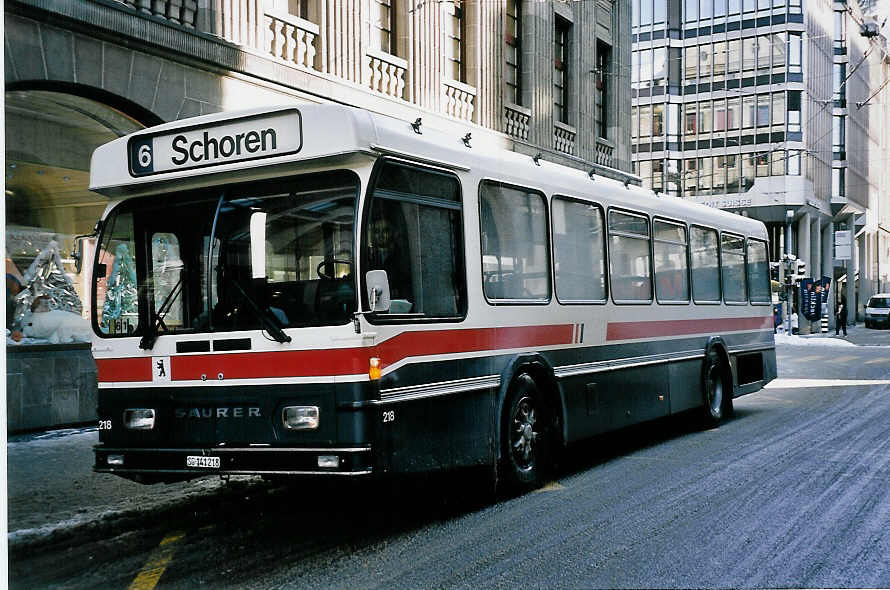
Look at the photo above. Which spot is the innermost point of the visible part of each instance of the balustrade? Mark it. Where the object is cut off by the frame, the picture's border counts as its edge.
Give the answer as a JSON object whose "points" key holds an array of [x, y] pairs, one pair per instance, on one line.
{"points": [[385, 73], [291, 38], [564, 138], [516, 120], [458, 99]]}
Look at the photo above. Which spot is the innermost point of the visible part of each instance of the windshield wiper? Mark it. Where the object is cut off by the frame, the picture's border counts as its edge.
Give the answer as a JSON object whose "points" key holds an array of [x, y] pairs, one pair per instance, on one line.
{"points": [[265, 316], [157, 320]]}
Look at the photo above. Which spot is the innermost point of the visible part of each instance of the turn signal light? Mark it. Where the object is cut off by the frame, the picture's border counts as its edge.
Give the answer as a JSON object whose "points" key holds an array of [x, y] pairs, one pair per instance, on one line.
{"points": [[374, 368]]}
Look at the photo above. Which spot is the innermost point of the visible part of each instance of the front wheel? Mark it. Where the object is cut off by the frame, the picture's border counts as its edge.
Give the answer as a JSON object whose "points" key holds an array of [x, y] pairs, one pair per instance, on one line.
{"points": [[525, 435], [717, 386]]}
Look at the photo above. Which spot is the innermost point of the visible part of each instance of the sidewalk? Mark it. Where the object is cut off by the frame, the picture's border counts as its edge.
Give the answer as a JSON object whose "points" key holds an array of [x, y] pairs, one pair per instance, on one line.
{"points": [[857, 335], [51, 488]]}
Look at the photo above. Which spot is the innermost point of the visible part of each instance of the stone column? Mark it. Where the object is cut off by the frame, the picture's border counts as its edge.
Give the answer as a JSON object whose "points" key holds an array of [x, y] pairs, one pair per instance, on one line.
{"points": [[851, 277], [803, 253], [863, 263]]}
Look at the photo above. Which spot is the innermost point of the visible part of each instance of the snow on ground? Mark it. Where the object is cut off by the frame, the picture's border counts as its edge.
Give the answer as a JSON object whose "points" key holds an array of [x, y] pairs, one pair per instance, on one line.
{"points": [[815, 340]]}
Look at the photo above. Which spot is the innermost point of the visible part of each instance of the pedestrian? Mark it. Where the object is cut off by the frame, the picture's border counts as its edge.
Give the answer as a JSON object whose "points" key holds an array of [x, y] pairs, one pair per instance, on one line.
{"points": [[840, 319]]}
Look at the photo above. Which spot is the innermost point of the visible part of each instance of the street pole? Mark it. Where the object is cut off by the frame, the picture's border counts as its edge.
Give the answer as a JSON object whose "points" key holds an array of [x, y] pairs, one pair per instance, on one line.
{"points": [[789, 216]]}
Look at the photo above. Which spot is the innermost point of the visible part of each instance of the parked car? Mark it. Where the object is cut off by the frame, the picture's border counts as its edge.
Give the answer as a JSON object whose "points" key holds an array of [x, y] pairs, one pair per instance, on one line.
{"points": [[877, 312]]}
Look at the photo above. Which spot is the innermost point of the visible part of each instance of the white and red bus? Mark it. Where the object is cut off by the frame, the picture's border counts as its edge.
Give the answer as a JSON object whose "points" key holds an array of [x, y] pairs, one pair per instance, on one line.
{"points": [[322, 290]]}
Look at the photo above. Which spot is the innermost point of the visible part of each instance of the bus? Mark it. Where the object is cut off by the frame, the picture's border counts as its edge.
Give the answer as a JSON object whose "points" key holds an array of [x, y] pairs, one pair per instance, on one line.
{"points": [[318, 290]]}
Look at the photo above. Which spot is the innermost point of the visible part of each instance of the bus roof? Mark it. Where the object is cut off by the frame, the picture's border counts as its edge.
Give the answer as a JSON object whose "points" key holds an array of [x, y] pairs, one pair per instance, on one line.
{"points": [[214, 148]]}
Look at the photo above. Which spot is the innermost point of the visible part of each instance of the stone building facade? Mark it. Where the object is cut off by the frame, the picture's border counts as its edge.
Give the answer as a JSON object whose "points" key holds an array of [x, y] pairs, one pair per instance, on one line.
{"points": [[540, 77]]}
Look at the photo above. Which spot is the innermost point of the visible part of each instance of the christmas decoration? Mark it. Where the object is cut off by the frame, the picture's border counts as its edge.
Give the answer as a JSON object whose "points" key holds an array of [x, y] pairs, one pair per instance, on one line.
{"points": [[120, 298]]}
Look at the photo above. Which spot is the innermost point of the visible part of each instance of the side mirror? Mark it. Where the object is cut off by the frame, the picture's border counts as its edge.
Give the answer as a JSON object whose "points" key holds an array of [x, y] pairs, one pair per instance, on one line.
{"points": [[378, 290], [101, 270]]}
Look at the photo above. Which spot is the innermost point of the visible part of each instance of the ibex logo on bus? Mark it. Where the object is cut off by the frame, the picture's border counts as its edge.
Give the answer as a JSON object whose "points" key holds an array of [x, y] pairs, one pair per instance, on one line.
{"points": [[220, 142]]}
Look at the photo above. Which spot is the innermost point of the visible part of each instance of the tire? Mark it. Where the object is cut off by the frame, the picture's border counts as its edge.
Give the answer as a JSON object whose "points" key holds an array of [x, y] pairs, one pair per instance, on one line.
{"points": [[716, 389], [525, 436]]}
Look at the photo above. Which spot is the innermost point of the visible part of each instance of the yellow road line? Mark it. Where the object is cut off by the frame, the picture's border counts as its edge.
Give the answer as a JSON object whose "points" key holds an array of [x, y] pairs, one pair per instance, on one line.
{"points": [[877, 361], [553, 486], [157, 563]]}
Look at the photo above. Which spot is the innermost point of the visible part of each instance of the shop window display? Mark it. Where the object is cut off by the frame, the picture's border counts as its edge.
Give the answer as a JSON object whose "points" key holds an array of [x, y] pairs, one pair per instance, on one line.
{"points": [[50, 137]]}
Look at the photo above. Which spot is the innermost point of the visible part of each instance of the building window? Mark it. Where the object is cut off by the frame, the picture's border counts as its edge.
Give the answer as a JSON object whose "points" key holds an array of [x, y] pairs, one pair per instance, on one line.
{"points": [[719, 60], [840, 30], [298, 8], [794, 163], [513, 51], [645, 121], [603, 76], [645, 13], [734, 58], [779, 46], [764, 48], [839, 79], [455, 56], [660, 11], [691, 62], [838, 183], [657, 122], [749, 53], [691, 10], [795, 49], [382, 26], [561, 69], [794, 111], [778, 111], [838, 141]]}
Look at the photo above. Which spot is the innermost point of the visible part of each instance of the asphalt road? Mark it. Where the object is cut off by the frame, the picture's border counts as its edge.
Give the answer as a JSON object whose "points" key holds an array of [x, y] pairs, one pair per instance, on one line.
{"points": [[791, 492]]}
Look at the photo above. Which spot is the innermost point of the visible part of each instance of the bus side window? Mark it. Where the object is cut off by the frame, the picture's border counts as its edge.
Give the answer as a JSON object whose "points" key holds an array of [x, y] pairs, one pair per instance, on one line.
{"points": [[732, 268], [758, 273], [671, 266], [515, 252], [579, 251], [705, 265], [414, 233], [629, 257]]}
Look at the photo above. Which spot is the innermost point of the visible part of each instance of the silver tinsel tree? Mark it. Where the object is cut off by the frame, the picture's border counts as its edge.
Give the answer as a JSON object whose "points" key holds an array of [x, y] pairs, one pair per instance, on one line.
{"points": [[46, 278]]}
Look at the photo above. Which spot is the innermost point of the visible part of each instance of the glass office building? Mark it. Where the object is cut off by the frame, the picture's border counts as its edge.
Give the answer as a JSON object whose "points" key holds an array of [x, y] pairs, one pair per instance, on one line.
{"points": [[743, 105]]}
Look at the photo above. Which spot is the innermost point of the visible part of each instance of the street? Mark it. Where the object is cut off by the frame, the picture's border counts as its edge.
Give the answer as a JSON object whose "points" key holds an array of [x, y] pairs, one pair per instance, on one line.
{"points": [[790, 492]]}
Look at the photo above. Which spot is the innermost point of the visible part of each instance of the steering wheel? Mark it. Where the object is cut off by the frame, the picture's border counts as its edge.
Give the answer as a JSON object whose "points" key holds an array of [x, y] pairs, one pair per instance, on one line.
{"points": [[319, 270]]}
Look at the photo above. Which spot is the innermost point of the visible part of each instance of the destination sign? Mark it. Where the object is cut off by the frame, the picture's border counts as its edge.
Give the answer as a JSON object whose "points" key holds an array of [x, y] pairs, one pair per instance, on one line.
{"points": [[223, 142]]}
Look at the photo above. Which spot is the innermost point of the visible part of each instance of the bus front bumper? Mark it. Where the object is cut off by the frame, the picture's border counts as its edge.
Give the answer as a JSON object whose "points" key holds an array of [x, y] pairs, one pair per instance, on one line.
{"points": [[197, 462]]}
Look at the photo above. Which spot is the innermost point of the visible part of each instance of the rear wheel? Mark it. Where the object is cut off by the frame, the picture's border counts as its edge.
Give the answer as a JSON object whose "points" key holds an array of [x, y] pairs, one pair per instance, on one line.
{"points": [[717, 388], [525, 435]]}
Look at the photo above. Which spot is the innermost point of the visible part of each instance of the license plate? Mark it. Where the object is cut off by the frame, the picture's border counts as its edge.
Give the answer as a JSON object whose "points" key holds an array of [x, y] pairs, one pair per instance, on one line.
{"points": [[206, 462]]}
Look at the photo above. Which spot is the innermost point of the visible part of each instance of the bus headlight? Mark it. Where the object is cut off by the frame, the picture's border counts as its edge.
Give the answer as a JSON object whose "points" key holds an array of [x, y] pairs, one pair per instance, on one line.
{"points": [[139, 418], [300, 417]]}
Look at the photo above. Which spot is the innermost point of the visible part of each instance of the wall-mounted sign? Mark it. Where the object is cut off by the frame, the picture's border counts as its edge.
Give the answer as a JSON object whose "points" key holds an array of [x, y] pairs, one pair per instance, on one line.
{"points": [[225, 142]]}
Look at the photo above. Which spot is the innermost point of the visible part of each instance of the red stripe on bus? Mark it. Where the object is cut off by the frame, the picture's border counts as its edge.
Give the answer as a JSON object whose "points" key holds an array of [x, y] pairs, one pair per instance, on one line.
{"points": [[638, 330], [135, 369], [339, 361]]}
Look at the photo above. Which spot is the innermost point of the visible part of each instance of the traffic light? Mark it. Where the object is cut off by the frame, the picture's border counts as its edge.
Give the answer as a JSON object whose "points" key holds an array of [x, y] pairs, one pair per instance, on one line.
{"points": [[774, 271]]}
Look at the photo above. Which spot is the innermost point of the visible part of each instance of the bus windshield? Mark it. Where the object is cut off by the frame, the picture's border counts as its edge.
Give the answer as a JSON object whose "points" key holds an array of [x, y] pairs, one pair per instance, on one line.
{"points": [[263, 255]]}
